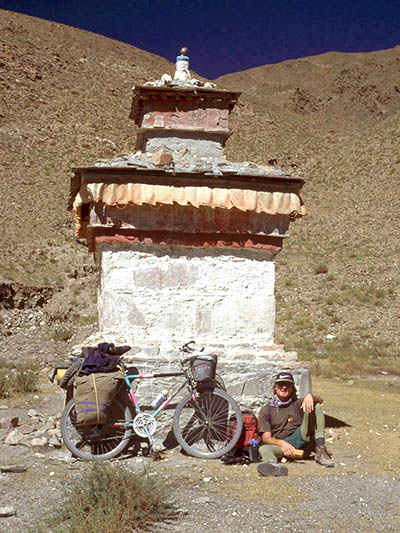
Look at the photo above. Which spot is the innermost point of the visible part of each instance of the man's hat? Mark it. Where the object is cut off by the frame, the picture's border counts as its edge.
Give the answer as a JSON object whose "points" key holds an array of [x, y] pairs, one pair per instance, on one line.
{"points": [[284, 376]]}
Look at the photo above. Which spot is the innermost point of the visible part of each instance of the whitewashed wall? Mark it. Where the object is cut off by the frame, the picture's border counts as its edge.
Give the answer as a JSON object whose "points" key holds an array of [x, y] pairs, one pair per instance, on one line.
{"points": [[172, 295]]}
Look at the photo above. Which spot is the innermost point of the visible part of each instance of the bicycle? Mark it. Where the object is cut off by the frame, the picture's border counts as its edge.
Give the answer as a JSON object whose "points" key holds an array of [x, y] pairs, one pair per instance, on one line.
{"points": [[200, 422]]}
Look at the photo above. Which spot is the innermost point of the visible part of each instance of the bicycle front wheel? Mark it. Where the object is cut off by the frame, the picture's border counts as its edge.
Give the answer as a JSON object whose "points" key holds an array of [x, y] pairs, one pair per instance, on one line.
{"points": [[201, 423], [100, 442]]}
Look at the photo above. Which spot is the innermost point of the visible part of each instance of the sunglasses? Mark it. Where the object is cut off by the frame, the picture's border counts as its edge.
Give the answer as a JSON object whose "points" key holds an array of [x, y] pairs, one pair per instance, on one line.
{"points": [[286, 384]]}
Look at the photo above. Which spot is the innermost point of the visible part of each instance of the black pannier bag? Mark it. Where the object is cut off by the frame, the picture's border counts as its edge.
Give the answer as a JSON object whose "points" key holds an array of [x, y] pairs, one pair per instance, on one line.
{"points": [[204, 367]]}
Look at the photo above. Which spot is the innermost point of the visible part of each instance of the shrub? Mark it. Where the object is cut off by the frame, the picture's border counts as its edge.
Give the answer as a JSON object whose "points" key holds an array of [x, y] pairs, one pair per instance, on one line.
{"points": [[58, 309], [17, 378], [61, 333], [110, 498]]}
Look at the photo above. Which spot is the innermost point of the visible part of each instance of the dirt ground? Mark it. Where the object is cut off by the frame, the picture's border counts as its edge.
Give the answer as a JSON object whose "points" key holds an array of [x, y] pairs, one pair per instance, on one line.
{"points": [[360, 492]]}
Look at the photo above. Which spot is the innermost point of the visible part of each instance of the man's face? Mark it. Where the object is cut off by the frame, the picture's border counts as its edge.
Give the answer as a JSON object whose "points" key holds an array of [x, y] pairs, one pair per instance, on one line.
{"points": [[283, 390]]}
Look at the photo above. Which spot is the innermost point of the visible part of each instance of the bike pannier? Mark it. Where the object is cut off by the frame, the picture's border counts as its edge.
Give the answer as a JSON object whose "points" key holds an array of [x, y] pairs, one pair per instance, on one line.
{"points": [[93, 395], [204, 367]]}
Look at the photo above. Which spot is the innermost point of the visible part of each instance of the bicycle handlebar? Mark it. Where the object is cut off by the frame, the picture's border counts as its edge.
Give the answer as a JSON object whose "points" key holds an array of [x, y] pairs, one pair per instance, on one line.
{"points": [[186, 348]]}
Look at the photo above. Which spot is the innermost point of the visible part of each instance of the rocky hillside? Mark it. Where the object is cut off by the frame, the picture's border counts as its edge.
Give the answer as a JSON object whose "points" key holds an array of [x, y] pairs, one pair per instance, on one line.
{"points": [[332, 119]]}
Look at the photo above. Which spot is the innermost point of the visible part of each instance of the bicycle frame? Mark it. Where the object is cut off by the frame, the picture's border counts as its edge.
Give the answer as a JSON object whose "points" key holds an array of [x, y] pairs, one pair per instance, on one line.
{"points": [[129, 378], [170, 397]]}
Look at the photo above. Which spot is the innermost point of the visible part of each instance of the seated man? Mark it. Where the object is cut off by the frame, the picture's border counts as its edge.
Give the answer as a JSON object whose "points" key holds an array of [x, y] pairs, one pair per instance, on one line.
{"points": [[288, 423]]}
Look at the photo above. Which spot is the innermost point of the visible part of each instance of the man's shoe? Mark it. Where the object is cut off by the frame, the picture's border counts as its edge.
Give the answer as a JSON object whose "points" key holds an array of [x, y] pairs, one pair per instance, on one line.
{"points": [[272, 469], [323, 457]]}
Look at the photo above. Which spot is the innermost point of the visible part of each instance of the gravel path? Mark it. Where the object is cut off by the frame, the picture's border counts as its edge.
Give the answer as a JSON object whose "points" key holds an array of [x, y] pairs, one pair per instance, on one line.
{"points": [[336, 504]]}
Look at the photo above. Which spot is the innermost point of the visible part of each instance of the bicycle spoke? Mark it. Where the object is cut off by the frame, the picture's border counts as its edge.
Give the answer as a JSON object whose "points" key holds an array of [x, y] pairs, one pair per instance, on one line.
{"points": [[201, 424]]}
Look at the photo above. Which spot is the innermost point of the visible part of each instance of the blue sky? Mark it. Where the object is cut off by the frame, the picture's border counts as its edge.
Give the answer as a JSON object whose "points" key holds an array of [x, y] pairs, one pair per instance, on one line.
{"points": [[225, 36]]}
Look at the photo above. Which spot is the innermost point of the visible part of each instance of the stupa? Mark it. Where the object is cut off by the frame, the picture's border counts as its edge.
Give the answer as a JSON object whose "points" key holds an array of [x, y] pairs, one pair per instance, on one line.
{"points": [[185, 240]]}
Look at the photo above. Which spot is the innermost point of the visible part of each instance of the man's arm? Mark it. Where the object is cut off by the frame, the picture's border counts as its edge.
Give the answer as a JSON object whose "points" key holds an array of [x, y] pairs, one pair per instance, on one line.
{"points": [[287, 449], [309, 401]]}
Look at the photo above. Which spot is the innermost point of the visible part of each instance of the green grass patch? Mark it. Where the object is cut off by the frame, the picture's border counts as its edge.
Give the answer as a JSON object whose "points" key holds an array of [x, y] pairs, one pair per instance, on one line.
{"points": [[343, 356], [366, 295], [304, 322], [109, 498], [87, 320]]}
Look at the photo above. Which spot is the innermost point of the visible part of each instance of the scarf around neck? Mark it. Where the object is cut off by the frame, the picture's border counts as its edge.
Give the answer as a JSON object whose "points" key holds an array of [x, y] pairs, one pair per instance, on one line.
{"points": [[276, 402]]}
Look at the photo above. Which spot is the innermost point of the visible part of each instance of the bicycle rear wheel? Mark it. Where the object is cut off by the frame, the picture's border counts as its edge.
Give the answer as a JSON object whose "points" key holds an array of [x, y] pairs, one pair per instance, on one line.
{"points": [[201, 423], [100, 442]]}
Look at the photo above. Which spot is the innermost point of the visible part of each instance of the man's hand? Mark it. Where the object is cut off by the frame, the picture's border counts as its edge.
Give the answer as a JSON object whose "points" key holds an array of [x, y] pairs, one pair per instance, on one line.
{"points": [[308, 403], [287, 449]]}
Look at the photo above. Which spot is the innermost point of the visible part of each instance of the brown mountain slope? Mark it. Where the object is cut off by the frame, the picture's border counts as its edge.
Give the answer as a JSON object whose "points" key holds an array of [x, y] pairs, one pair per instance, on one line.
{"points": [[333, 119], [338, 273], [65, 98], [343, 88]]}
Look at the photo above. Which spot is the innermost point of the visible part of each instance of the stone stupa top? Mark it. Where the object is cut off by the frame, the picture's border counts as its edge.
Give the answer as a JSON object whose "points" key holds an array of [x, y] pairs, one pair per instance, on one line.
{"points": [[182, 66], [182, 77]]}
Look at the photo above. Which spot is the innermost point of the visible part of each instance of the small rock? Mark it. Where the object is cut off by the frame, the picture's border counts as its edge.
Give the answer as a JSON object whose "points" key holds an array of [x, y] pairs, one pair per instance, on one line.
{"points": [[207, 479], [9, 422], [161, 158], [14, 469], [67, 459], [13, 438], [55, 441], [26, 429], [7, 511], [39, 433], [203, 500], [49, 425], [39, 442]]}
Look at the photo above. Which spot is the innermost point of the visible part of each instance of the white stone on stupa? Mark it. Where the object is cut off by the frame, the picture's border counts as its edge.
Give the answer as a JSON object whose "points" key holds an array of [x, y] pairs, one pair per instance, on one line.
{"points": [[182, 66]]}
